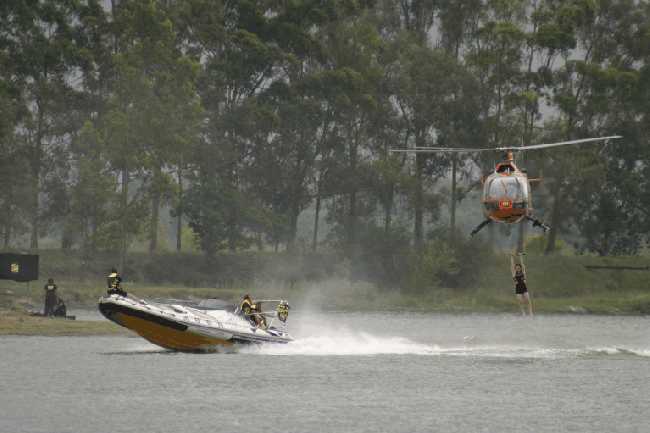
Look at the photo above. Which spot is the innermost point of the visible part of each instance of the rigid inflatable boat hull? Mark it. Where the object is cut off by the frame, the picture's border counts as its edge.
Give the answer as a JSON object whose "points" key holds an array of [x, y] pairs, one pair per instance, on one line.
{"points": [[193, 331]]}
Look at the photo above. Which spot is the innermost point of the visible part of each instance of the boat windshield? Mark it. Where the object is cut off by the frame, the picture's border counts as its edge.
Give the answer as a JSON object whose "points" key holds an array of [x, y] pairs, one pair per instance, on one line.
{"points": [[506, 187]]}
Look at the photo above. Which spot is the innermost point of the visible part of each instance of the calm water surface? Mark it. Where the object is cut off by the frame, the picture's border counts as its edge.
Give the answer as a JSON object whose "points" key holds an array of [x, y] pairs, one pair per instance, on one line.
{"points": [[344, 373]]}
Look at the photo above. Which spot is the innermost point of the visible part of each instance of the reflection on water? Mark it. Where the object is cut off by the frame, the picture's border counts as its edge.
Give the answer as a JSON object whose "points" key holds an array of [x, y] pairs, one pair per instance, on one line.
{"points": [[344, 372]]}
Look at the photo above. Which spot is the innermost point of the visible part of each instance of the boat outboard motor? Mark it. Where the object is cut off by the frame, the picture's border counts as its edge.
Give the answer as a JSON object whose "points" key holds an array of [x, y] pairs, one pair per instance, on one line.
{"points": [[283, 311]]}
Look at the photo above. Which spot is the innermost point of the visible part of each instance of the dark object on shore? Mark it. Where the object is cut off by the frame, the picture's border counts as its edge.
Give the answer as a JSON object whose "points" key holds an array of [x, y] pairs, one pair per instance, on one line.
{"points": [[60, 312], [18, 267], [60, 309], [51, 298], [620, 268]]}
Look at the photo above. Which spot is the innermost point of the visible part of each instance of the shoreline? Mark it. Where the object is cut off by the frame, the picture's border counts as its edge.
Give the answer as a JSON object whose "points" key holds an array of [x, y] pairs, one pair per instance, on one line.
{"points": [[19, 322]]}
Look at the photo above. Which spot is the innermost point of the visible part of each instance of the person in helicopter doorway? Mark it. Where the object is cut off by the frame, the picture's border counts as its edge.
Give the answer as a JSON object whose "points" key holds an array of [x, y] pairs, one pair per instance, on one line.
{"points": [[521, 290], [251, 311], [50, 297], [114, 282]]}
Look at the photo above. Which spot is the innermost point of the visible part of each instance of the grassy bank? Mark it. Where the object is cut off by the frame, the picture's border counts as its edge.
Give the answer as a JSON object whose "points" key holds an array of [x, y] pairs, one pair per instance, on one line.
{"points": [[559, 284], [20, 323]]}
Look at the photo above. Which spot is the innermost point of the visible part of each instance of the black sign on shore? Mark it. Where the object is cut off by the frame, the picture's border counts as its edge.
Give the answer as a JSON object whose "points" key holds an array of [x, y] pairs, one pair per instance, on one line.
{"points": [[18, 267]]}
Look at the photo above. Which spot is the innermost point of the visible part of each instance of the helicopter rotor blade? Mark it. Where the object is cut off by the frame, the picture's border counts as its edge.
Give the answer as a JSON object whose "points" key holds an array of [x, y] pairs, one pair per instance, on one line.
{"points": [[560, 143], [498, 149], [440, 149]]}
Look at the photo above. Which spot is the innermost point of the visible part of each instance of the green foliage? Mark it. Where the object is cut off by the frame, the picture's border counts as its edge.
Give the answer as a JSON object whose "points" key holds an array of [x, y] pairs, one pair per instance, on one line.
{"points": [[455, 264], [538, 244], [239, 116]]}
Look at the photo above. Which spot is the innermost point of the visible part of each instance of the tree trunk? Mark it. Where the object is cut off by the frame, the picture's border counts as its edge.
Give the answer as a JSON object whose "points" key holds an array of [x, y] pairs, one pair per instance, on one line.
{"points": [[352, 222], [155, 210], [452, 208], [419, 195], [352, 202], [7, 232], [555, 217], [314, 242], [66, 239], [36, 177], [125, 221], [521, 237], [179, 216], [155, 216], [293, 228], [388, 208], [93, 231]]}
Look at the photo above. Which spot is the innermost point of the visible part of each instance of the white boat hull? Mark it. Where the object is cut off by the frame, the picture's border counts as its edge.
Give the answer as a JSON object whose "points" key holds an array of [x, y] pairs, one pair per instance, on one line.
{"points": [[183, 328]]}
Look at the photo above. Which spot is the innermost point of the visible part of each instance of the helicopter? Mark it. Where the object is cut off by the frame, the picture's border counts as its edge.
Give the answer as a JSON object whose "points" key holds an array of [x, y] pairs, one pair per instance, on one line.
{"points": [[506, 196]]}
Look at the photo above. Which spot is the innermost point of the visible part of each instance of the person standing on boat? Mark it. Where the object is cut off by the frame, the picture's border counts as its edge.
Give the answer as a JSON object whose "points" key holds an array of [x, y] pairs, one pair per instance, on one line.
{"points": [[114, 281], [50, 297], [521, 290]]}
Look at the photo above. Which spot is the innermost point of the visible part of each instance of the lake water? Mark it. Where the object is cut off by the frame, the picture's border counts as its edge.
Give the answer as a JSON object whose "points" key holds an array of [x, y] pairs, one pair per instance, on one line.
{"points": [[344, 373]]}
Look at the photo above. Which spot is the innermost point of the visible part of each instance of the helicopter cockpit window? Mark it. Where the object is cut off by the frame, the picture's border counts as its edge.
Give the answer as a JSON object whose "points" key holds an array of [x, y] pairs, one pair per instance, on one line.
{"points": [[506, 188]]}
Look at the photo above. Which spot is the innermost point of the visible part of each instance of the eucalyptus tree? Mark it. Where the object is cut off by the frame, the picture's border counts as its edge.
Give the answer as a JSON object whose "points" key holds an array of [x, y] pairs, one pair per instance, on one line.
{"points": [[592, 89], [609, 194], [42, 48], [430, 92]]}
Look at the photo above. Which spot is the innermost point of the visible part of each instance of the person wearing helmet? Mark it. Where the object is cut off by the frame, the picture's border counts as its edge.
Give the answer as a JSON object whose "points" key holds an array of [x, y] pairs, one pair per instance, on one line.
{"points": [[251, 311], [247, 308], [114, 281]]}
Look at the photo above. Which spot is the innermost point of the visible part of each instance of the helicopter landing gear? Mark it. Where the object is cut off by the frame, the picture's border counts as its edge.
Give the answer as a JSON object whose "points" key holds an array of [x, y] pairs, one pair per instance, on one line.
{"points": [[538, 223], [480, 226]]}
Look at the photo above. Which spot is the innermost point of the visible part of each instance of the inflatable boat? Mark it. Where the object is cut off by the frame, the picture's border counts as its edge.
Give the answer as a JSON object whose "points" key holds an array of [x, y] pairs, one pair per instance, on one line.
{"points": [[197, 328]]}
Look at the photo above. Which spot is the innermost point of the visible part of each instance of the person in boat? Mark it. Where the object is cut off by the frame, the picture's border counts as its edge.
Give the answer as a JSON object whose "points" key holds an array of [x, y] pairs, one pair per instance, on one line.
{"points": [[260, 320], [251, 311], [114, 281], [50, 297], [246, 308], [521, 289]]}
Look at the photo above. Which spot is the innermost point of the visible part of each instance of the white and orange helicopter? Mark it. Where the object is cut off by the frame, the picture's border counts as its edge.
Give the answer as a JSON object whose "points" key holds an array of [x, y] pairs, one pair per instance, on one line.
{"points": [[506, 196]]}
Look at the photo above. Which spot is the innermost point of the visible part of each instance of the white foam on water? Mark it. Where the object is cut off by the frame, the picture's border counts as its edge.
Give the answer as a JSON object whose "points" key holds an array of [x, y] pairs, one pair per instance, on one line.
{"points": [[360, 344], [645, 353], [347, 344]]}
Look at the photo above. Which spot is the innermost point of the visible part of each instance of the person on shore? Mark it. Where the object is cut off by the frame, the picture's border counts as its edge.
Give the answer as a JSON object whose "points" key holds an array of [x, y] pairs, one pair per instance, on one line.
{"points": [[50, 297], [521, 290], [114, 281]]}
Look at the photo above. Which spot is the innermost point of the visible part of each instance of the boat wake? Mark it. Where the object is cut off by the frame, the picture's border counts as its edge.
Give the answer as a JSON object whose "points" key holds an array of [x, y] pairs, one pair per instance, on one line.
{"points": [[364, 344], [352, 344]]}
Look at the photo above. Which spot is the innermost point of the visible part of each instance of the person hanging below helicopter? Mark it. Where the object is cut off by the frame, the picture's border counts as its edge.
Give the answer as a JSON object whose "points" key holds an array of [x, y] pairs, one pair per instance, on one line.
{"points": [[518, 271], [114, 282]]}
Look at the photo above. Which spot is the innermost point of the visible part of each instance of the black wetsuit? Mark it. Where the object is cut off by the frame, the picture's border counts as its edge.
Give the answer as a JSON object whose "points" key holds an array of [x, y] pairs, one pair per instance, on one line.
{"points": [[50, 299], [520, 283]]}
